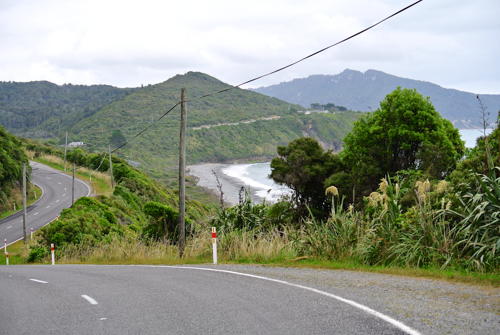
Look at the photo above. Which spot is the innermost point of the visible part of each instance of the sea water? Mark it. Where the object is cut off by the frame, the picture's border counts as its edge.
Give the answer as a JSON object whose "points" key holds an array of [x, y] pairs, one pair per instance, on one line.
{"points": [[470, 136], [256, 176]]}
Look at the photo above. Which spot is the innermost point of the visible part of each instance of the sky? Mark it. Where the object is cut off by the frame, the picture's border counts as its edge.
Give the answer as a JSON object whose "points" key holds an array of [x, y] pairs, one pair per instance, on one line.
{"points": [[452, 43]]}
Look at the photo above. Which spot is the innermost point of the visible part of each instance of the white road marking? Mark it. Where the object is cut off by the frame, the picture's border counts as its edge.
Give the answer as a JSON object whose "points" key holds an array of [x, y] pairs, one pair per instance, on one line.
{"points": [[89, 299], [396, 323], [64, 195], [103, 319], [35, 214], [59, 183], [57, 200], [65, 188], [9, 227], [47, 177], [47, 207], [39, 281]]}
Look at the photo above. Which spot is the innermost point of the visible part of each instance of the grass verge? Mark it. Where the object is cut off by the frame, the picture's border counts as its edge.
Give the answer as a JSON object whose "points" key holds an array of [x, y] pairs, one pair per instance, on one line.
{"points": [[265, 251], [30, 201]]}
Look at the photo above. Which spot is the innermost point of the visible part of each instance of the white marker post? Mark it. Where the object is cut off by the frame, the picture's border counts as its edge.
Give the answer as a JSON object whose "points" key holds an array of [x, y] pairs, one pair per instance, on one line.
{"points": [[214, 243], [31, 233], [7, 257], [52, 250], [5, 245]]}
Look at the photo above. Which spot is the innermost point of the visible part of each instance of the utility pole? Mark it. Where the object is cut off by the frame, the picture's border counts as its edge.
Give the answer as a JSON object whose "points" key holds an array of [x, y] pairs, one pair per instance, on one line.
{"points": [[73, 187], [24, 205], [110, 166], [182, 177], [65, 146]]}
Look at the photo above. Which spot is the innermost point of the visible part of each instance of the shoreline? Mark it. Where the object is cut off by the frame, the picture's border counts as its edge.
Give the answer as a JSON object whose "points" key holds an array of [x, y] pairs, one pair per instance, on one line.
{"points": [[230, 186]]}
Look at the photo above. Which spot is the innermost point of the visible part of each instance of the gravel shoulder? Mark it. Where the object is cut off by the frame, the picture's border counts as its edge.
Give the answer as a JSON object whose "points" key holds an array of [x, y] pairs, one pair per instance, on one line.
{"points": [[427, 305]]}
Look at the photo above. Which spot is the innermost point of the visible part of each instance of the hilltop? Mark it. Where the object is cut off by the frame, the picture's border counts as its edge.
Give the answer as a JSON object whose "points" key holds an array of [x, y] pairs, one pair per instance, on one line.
{"points": [[235, 125], [41, 109], [364, 91]]}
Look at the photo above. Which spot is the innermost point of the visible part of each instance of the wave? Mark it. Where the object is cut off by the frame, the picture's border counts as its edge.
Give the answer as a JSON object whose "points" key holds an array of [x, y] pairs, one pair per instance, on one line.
{"points": [[255, 176]]}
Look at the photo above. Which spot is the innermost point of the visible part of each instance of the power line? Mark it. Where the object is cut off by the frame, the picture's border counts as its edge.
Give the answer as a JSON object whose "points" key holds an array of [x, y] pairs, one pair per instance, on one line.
{"points": [[270, 73], [309, 56]]}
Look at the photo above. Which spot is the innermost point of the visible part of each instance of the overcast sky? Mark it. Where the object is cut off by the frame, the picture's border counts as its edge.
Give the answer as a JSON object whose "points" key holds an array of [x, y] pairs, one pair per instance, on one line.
{"points": [[453, 43]]}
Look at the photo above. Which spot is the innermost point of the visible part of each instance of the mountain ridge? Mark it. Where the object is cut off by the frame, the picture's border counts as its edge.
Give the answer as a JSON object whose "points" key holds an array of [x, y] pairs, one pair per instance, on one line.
{"points": [[364, 91]]}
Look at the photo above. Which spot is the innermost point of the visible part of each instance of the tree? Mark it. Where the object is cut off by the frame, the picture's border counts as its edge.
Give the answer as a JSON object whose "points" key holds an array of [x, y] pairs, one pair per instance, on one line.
{"points": [[117, 138], [405, 133], [304, 166], [12, 157], [165, 217]]}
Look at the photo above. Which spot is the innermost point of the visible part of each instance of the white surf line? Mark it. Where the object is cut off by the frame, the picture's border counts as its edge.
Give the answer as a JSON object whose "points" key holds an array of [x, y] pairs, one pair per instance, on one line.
{"points": [[39, 281], [364, 308], [89, 299]]}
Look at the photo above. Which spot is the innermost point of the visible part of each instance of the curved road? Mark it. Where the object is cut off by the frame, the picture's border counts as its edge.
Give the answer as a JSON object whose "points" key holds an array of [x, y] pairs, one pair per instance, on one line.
{"points": [[56, 196], [82, 299]]}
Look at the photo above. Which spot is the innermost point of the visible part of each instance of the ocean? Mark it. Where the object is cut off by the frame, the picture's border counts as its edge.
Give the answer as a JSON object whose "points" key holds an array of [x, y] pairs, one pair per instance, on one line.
{"points": [[256, 175], [470, 136]]}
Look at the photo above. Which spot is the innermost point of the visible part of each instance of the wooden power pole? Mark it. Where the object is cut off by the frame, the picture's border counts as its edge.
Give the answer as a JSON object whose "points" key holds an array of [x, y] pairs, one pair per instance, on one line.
{"points": [[65, 147], [110, 167], [73, 187], [24, 205], [182, 177]]}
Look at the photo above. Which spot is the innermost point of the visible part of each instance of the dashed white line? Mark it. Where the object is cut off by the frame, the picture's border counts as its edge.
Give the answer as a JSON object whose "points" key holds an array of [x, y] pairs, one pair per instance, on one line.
{"points": [[59, 183], [65, 188], [64, 195], [89, 299], [9, 227], [57, 200], [47, 177], [47, 207], [39, 281], [103, 319], [35, 214]]}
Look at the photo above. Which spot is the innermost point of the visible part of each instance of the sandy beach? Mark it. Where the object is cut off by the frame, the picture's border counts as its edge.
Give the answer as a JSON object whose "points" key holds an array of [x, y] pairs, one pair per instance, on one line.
{"points": [[230, 186]]}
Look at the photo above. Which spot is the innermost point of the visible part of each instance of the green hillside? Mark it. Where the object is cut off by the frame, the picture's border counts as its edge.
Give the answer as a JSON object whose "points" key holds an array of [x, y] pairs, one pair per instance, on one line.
{"points": [[255, 124], [41, 109], [364, 91]]}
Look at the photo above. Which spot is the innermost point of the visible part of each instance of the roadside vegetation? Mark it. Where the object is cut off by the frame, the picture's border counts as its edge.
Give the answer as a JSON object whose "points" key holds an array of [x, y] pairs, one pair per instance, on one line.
{"points": [[404, 196]]}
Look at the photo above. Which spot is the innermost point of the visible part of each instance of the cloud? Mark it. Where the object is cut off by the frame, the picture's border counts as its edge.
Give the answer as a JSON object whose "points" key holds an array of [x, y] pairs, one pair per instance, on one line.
{"points": [[128, 43]]}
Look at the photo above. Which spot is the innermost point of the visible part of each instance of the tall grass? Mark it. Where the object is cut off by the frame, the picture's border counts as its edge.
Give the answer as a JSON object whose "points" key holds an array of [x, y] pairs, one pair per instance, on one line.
{"points": [[235, 246]]}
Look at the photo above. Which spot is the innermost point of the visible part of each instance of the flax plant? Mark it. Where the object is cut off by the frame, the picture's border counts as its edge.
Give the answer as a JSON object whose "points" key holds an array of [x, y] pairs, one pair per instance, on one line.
{"points": [[335, 238], [478, 233], [426, 237]]}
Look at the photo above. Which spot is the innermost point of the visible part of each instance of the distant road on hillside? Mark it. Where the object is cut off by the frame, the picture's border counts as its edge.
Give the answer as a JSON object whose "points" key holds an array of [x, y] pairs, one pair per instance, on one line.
{"points": [[56, 196]]}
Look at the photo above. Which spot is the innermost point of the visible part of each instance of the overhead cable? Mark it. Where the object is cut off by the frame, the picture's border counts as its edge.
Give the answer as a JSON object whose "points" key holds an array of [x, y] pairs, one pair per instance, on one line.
{"points": [[270, 73]]}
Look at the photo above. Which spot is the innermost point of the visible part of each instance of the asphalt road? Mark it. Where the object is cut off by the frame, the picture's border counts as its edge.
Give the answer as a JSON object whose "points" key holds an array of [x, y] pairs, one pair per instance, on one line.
{"points": [[85, 299], [56, 196]]}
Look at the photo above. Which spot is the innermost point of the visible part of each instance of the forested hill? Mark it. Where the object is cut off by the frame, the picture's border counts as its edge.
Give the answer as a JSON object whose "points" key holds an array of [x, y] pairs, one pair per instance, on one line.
{"points": [[235, 125], [42, 109], [364, 91]]}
